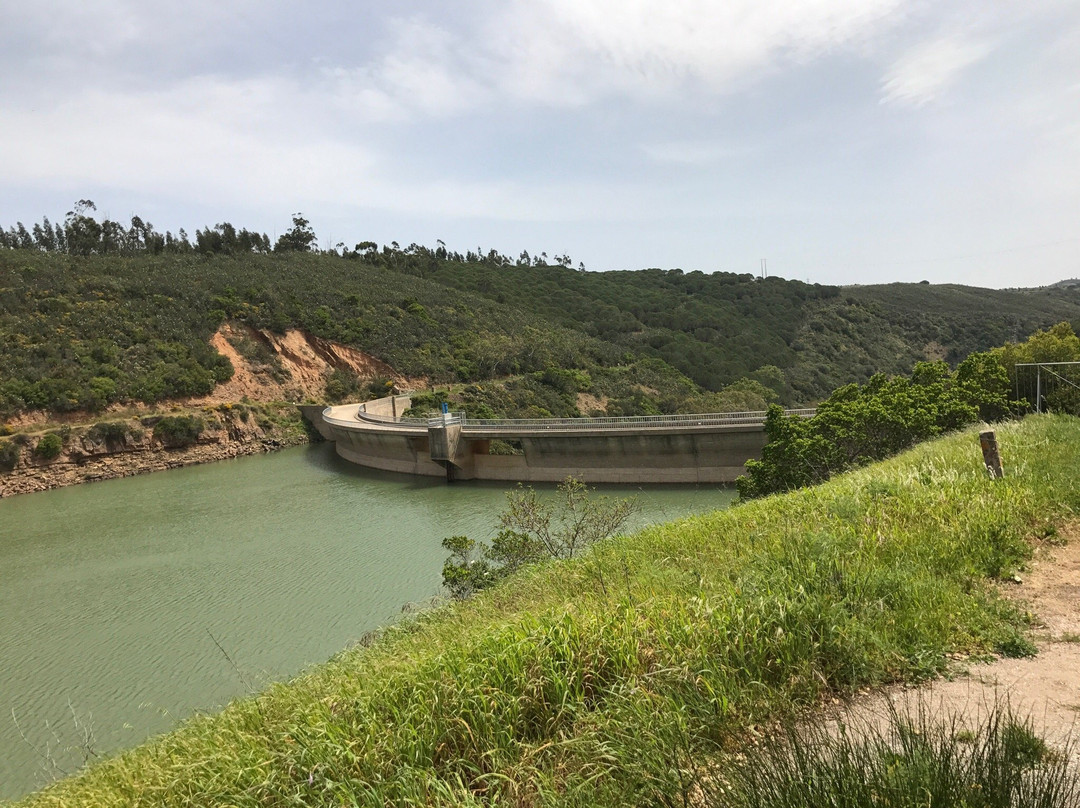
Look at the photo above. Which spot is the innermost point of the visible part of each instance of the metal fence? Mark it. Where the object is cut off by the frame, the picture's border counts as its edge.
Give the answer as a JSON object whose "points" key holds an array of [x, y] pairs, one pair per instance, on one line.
{"points": [[603, 422]]}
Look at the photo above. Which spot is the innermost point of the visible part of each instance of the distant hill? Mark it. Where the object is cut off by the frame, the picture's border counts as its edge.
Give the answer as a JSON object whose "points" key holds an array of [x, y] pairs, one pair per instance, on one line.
{"points": [[81, 332], [886, 328], [719, 327]]}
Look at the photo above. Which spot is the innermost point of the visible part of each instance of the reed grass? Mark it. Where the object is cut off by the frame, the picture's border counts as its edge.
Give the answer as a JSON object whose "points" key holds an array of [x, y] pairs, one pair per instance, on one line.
{"points": [[610, 678], [915, 758]]}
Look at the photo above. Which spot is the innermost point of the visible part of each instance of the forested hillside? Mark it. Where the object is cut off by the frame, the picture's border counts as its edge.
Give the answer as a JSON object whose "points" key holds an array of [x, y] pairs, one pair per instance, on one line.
{"points": [[887, 328], [82, 332], [93, 313], [717, 328]]}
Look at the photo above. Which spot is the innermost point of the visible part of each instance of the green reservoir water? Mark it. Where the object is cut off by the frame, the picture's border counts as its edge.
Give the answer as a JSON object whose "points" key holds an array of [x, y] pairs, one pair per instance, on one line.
{"points": [[114, 596]]}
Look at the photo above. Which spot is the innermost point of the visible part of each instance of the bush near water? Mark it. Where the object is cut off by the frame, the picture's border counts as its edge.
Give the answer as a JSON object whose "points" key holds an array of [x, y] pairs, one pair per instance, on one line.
{"points": [[621, 677], [178, 431]]}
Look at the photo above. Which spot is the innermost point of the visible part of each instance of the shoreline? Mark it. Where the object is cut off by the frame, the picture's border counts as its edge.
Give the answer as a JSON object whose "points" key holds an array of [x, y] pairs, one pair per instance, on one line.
{"points": [[131, 464], [133, 449]]}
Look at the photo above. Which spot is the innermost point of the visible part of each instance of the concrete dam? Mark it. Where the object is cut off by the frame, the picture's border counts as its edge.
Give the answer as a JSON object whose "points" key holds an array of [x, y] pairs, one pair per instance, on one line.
{"points": [[702, 448]]}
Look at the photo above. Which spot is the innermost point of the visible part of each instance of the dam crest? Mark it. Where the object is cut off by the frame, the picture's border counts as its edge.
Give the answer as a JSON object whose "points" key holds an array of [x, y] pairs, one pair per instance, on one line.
{"points": [[694, 448]]}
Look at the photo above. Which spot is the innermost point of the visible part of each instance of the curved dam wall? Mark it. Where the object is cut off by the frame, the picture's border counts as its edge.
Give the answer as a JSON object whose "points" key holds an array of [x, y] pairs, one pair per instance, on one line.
{"points": [[675, 450]]}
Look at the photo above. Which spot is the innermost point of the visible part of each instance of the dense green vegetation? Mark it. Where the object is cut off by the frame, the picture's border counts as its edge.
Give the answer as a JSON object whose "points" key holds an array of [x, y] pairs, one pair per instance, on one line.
{"points": [[720, 327], [1060, 385], [83, 332], [10, 450], [887, 328], [859, 424], [49, 447], [177, 431], [98, 312], [622, 676], [715, 328]]}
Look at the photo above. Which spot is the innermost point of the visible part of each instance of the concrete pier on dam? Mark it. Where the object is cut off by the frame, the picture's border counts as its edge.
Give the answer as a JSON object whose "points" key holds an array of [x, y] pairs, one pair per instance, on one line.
{"points": [[702, 448]]}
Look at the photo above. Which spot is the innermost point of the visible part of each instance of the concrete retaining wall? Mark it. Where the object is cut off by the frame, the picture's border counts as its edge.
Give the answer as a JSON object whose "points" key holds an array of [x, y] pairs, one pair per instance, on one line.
{"points": [[389, 407]]}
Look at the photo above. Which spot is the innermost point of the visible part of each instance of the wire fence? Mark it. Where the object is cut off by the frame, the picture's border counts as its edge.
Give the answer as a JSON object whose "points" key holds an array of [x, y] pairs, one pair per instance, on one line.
{"points": [[1047, 386]]}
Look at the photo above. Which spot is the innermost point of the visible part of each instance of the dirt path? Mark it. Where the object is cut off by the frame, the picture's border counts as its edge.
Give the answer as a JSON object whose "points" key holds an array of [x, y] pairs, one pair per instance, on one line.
{"points": [[1045, 687]]}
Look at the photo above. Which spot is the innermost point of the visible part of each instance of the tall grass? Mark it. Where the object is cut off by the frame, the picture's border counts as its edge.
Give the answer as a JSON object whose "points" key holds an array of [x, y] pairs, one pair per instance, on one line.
{"points": [[609, 679], [916, 759]]}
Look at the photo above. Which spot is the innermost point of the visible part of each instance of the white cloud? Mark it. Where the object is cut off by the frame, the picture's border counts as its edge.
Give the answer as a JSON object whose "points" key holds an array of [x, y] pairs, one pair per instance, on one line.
{"points": [[566, 53], [239, 140], [927, 71], [640, 44], [105, 28], [264, 143], [425, 71]]}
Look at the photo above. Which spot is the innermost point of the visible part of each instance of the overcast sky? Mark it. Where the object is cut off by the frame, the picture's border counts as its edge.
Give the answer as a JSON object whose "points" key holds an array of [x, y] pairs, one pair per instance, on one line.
{"points": [[846, 141]]}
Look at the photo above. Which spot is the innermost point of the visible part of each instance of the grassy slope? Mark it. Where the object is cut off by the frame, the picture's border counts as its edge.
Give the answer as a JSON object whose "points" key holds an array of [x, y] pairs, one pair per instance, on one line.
{"points": [[610, 678]]}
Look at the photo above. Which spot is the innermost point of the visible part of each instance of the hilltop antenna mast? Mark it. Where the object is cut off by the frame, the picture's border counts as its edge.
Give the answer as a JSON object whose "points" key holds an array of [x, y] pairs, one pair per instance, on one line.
{"points": [[764, 269]]}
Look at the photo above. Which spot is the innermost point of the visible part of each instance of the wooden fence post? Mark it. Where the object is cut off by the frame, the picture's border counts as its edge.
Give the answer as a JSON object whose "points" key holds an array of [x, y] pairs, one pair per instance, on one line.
{"points": [[991, 455]]}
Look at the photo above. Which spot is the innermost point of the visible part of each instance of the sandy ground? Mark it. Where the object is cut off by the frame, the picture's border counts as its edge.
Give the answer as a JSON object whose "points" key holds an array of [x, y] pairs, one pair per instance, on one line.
{"points": [[305, 359], [1045, 687]]}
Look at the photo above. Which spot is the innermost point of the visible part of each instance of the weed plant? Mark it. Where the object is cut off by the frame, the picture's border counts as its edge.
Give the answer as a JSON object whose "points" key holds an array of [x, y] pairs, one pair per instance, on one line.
{"points": [[616, 677], [914, 759], [109, 431]]}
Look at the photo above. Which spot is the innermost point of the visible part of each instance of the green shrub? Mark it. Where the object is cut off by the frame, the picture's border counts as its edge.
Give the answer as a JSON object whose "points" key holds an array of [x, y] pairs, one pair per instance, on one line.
{"points": [[859, 424], [49, 447], [108, 431], [381, 387], [425, 404], [9, 455], [534, 530], [342, 385], [178, 431], [567, 382]]}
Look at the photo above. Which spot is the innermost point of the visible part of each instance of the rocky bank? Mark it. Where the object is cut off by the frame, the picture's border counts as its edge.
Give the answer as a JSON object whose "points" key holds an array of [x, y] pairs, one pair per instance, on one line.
{"points": [[268, 369], [136, 445]]}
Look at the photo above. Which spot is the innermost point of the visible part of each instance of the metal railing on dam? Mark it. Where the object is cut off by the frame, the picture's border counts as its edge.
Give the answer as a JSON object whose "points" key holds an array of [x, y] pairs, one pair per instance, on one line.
{"points": [[625, 422]]}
